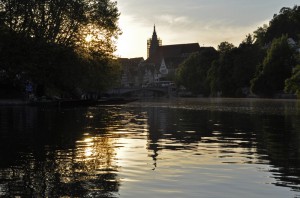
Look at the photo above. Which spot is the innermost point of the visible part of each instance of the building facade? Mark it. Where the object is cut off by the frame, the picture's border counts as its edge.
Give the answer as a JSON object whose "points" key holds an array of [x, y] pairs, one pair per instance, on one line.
{"points": [[130, 76]]}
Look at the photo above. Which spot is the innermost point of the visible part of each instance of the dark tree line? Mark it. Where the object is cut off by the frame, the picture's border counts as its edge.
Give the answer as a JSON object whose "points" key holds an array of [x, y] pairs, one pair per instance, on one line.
{"points": [[263, 64], [193, 73], [64, 47], [275, 68]]}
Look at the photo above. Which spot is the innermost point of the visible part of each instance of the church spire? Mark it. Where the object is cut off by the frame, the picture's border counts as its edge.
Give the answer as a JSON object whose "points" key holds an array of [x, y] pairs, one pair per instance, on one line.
{"points": [[153, 43], [154, 35]]}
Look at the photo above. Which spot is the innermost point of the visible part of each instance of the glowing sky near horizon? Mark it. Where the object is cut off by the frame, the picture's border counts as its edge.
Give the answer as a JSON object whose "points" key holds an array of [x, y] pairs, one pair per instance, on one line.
{"points": [[207, 22]]}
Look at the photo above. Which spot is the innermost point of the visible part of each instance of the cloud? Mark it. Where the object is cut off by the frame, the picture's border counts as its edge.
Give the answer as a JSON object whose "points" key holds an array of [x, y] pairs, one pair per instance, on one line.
{"points": [[172, 19]]}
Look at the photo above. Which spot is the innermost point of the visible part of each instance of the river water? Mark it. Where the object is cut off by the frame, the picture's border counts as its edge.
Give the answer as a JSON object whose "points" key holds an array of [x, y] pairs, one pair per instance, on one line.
{"points": [[176, 148]]}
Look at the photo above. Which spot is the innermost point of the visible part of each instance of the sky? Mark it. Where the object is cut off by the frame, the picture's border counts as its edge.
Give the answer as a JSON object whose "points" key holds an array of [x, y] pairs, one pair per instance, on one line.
{"points": [[207, 22]]}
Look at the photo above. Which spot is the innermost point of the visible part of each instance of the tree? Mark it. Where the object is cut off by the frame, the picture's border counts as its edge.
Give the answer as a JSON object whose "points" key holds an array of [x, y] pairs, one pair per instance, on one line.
{"points": [[212, 78], [292, 84], [259, 35], [225, 47], [220, 75], [248, 55], [275, 69], [64, 22], [192, 73], [231, 73], [249, 40], [287, 22], [101, 74], [60, 45]]}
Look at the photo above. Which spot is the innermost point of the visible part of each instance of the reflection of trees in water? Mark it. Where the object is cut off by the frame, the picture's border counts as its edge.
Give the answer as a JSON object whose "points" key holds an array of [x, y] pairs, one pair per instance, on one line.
{"points": [[174, 129], [179, 125], [207, 132], [73, 152], [64, 173], [65, 167], [88, 169], [279, 142], [240, 138]]}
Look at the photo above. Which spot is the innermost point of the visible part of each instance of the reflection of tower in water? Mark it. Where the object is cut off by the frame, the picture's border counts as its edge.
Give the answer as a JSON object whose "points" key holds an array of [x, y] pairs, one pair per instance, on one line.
{"points": [[157, 127]]}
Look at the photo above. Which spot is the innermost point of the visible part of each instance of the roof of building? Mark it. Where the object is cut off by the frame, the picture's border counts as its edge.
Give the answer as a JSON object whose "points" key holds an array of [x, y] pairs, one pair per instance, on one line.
{"points": [[178, 49], [130, 60], [175, 53], [130, 64]]}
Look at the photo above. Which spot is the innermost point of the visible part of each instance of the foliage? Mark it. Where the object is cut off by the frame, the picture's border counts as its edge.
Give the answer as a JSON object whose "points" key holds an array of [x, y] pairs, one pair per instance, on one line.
{"points": [[287, 22], [231, 73], [212, 78], [224, 72], [101, 74], [276, 67], [292, 84], [259, 35], [192, 72], [63, 47], [248, 56], [263, 61], [228, 72], [225, 47], [64, 22]]}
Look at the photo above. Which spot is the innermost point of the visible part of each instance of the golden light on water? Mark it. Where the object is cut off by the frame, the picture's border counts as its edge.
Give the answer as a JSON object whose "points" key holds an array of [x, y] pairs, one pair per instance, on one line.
{"points": [[88, 152], [157, 150], [125, 145], [89, 38]]}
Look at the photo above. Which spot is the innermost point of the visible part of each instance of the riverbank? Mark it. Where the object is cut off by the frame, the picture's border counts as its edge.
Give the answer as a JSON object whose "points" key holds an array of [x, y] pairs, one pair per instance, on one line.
{"points": [[66, 103], [6, 102], [19, 102]]}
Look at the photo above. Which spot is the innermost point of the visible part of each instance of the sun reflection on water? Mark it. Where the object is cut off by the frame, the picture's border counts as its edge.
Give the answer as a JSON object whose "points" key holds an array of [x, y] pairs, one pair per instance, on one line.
{"points": [[105, 150], [136, 151]]}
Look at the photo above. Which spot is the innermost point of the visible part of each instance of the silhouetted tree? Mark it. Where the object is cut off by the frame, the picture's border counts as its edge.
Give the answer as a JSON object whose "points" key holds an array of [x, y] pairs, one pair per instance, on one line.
{"points": [[292, 84], [276, 67], [192, 73], [259, 35], [220, 71], [60, 45], [231, 73], [64, 22], [225, 47], [287, 22]]}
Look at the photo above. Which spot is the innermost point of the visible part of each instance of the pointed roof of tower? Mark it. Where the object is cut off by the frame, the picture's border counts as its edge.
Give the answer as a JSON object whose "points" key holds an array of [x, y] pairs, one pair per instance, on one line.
{"points": [[154, 35]]}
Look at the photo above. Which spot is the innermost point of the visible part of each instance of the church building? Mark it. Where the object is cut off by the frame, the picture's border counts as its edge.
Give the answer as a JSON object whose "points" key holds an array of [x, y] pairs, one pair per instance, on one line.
{"points": [[161, 63], [163, 60]]}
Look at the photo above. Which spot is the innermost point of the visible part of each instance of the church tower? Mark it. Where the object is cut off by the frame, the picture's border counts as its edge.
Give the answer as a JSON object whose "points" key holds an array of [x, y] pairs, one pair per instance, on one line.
{"points": [[153, 44]]}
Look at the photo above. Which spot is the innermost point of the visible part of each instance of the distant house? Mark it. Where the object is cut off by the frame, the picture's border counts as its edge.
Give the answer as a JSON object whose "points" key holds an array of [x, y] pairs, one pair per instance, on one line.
{"points": [[130, 73]]}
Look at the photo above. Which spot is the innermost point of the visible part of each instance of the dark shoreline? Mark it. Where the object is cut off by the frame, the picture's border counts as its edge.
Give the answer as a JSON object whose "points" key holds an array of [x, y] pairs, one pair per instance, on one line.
{"points": [[12, 102], [65, 103], [110, 101]]}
